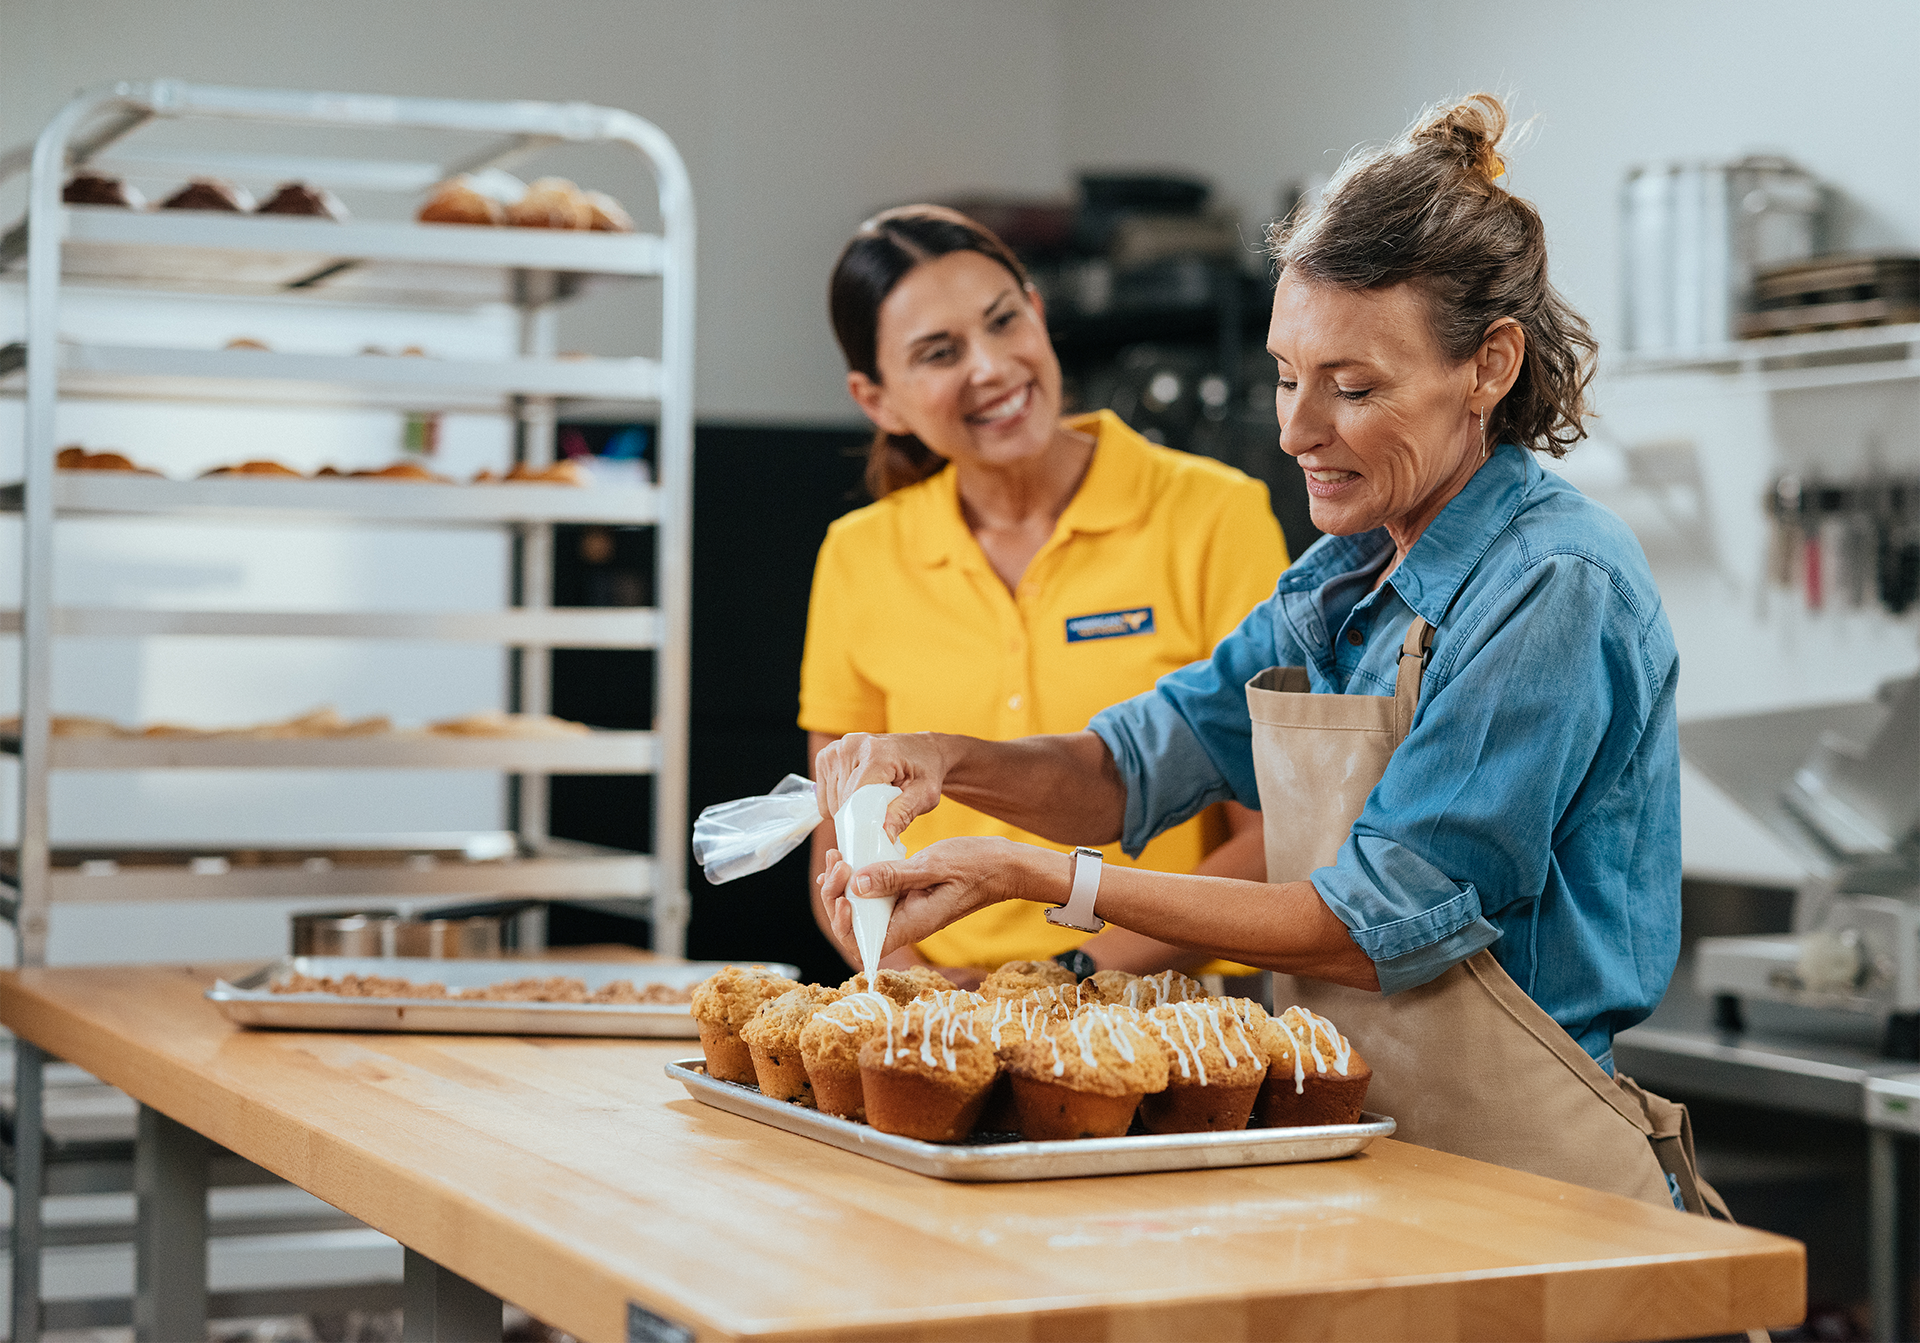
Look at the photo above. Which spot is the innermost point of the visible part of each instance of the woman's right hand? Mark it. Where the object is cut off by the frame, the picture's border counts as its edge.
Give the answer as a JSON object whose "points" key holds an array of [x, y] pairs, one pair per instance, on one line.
{"points": [[913, 762]]}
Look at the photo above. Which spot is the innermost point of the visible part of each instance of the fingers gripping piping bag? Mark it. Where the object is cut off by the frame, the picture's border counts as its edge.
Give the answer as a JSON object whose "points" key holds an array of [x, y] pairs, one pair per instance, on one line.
{"points": [[860, 827]]}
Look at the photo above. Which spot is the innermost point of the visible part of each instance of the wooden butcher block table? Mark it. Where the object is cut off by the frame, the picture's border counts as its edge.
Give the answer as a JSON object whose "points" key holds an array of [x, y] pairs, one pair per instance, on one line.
{"points": [[570, 1177]]}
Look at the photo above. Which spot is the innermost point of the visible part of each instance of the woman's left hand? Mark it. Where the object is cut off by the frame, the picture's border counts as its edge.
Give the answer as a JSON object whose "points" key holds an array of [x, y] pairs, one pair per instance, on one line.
{"points": [[945, 881]]}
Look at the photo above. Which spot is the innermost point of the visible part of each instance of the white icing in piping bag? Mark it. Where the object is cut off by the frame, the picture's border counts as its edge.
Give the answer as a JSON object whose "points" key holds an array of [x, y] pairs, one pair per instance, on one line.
{"points": [[859, 828]]}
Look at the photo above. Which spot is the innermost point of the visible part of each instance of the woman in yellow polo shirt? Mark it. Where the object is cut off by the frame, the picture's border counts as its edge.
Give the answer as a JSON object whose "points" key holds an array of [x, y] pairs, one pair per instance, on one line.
{"points": [[1018, 572]]}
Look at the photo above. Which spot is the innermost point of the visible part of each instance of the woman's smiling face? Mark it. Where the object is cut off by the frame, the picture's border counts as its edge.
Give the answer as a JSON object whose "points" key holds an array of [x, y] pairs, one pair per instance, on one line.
{"points": [[965, 363], [1380, 420]]}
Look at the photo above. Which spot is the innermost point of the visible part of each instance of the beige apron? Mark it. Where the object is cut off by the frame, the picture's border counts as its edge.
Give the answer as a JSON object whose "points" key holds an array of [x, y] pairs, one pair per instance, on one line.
{"points": [[1465, 1063]]}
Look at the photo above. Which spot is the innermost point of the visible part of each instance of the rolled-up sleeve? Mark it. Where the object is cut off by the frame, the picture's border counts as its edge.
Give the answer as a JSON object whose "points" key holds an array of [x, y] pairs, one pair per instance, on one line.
{"points": [[1188, 742], [1541, 697]]}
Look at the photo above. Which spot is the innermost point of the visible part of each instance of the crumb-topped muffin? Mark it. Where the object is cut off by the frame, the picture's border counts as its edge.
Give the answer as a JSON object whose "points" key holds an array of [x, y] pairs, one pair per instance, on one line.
{"points": [[1147, 992], [1018, 977], [1109, 986], [1214, 1069], [927, 1075], [1314, 1074], [903, 986], [772, 1037], [1006, 1023], [830, 1045], [721, 1005], [1084, 1077]]}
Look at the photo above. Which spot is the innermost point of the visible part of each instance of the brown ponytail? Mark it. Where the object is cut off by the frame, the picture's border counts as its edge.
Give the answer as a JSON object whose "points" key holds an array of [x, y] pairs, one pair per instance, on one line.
{"points": [[881, 253], [1425, 211]]}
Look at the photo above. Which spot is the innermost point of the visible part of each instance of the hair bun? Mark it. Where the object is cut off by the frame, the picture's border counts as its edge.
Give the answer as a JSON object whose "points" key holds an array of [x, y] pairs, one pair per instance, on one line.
{"points": [[1472, 130]]}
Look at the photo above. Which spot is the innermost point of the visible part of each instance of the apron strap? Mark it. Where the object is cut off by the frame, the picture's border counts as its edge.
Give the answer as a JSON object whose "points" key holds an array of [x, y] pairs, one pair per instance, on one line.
{"points": [[1413, 663]]}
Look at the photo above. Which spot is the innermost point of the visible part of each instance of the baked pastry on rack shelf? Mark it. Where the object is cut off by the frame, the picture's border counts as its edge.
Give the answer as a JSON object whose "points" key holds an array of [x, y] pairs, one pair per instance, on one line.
{"points": [[210, 193], [96, 189], [297, 198]]}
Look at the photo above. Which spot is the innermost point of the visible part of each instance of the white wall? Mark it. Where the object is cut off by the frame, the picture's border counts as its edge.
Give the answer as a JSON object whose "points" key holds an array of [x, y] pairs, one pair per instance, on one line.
{"points": [[796, 118]]}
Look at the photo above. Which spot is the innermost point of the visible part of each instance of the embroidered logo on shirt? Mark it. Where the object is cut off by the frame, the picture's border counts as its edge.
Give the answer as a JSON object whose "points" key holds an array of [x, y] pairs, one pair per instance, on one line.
{"points": [[1110, 624]]}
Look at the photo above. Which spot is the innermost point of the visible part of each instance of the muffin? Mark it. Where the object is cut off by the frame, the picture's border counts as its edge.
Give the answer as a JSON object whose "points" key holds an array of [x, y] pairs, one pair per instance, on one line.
{"points": [[95, 189], [772, 1038], [297, 198], [1214, 1070], [457, 202], [609, 216], [1314, 1075], [830, 1045], [210, 193], [927, 1075], [1006, 1023], [903, 986], [1083, 1078], [1018, 977], [552, 202], [722, 1004], [1147, 992], [1110, 986]]}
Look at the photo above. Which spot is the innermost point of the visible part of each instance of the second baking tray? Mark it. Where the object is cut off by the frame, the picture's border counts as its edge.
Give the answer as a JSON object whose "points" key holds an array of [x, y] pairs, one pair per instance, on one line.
{"points": [[990, 1161], [252, 1001]]}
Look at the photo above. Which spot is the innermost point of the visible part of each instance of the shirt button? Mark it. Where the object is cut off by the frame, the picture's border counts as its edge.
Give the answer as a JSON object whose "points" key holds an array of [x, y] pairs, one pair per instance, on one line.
{"points": [[1356, 638], [1013, 702]]}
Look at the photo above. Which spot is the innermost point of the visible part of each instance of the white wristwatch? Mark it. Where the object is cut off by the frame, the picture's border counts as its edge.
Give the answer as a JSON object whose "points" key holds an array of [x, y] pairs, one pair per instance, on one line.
{"points": [[1078, 913]]}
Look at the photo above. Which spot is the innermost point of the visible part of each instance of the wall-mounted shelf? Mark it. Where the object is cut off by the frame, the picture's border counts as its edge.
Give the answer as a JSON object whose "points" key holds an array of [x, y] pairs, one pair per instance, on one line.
{"points": [[1788, 363]]}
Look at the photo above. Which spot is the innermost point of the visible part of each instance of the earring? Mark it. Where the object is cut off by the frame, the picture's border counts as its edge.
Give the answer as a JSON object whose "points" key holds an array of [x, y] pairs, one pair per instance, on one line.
{"points": [[1485, 451]]}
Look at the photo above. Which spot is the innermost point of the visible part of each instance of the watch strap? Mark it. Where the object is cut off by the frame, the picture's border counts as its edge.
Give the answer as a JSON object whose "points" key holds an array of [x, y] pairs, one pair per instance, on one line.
{"points": [[1078, 913]]}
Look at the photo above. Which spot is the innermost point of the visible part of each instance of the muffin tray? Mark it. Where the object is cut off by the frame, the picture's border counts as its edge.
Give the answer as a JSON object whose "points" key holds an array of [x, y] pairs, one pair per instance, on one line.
{"points": [[251, 1001], [991, 1158]]}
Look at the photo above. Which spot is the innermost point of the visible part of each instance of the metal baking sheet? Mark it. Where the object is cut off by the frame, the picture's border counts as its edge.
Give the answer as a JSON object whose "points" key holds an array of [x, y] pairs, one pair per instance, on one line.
{"points": [[252, 1002], [990, 1160]]}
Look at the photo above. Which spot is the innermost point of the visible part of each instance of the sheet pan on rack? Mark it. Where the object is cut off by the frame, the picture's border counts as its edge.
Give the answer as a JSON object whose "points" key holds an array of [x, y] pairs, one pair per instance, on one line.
{"points": [[251, 1001]]}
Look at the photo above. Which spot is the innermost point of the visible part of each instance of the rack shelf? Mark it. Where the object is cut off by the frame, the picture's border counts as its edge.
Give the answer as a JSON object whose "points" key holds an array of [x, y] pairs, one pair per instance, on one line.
{"points": [[312, 869], [156, 373], [1788, 363], [435, 265], [627, 627], [334, 501], [598, 752]]}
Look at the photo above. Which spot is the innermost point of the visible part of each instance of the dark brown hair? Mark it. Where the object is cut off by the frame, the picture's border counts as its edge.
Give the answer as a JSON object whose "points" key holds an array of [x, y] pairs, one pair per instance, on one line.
{"points": [[879, 257], [1425, 211]]}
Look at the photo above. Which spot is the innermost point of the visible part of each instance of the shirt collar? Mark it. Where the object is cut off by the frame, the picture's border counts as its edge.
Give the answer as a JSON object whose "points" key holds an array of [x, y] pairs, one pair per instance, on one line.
{"points": [[1447, 551], [1114, 493]]}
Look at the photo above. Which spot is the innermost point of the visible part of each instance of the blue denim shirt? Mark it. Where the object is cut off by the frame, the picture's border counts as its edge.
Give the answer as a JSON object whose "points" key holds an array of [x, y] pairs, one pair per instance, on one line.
{"points": [[1535, 805]]}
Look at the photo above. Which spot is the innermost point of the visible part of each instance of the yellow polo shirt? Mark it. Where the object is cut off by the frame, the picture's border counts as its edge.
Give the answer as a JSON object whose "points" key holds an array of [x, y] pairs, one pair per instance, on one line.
{"points": [[1155, 560]]}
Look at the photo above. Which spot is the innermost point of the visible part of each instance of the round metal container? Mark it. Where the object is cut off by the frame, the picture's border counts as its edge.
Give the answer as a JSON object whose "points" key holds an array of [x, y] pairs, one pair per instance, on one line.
{"points": [[481, 937], [356, 932]]}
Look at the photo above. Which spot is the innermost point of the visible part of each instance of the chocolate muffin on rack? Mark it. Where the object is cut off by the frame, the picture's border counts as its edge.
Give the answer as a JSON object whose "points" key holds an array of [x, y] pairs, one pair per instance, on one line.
{"points": [[772, 1038], [724, 1003], [1084, 1077], [1314, 1074], [96, 189], [830, 1045], [1018, 977], [1214, 1069], [927, 1075]]}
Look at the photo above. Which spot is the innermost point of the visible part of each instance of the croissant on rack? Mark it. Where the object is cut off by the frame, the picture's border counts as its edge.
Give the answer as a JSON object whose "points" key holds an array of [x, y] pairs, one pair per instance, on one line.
{"points": [[73, 457]]}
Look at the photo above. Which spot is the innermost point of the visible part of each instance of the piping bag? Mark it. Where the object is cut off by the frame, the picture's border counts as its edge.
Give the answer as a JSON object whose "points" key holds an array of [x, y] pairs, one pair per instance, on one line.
{"points": [[733, 839], [859, 828]]}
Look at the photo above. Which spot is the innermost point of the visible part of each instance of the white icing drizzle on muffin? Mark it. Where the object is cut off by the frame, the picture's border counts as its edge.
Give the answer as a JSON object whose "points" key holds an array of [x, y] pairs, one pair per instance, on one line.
{"points": [[1190, 1021], [1313, 1026]]}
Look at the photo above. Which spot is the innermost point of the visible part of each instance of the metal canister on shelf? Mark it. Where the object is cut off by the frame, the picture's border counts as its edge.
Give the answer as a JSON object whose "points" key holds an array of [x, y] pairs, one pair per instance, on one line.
{"points": [[476, 937], [355, 932], [388, 932]]}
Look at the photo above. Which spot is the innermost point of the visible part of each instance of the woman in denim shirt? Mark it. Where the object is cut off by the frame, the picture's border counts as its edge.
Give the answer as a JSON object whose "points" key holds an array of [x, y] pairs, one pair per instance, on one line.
{"points": [[1508, 896]]}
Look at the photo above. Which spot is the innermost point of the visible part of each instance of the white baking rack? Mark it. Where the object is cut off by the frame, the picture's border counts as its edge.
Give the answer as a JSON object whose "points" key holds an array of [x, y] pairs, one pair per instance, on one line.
{"points": [[389, 265]]}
